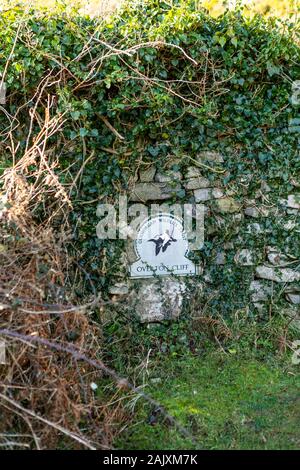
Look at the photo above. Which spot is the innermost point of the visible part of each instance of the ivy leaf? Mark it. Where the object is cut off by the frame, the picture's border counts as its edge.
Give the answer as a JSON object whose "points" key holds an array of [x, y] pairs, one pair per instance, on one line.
{"points": [[272, 69], [154, 151], [234, 41], [75, 115], [83, 132], [222, 40]]}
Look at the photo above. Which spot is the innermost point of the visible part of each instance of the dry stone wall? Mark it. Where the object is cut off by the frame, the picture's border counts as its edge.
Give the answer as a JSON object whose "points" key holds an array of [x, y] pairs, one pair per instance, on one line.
{"points": [[272, 275]]}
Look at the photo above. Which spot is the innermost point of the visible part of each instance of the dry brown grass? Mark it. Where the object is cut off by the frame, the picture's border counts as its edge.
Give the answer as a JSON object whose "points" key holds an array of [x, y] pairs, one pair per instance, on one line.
{"points": [[46, 398]]}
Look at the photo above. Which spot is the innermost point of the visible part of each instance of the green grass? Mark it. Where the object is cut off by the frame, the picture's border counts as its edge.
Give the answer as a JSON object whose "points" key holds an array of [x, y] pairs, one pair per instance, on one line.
{"points": [[226, 402]]}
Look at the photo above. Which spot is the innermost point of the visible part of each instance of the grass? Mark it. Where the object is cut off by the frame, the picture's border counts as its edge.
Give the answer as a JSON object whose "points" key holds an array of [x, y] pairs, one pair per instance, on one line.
{"points": [[225, 401]]}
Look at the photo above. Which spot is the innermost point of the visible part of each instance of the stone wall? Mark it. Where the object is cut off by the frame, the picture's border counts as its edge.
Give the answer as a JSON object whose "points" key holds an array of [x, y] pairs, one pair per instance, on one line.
{"points": [[239, 228]]}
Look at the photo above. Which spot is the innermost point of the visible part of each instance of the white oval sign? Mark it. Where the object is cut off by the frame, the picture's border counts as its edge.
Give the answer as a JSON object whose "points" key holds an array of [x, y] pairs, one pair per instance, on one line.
{"points": [[162, 246]]}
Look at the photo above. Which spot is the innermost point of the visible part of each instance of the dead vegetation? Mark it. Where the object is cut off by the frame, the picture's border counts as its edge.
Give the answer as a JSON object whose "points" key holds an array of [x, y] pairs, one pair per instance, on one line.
{"points": [[46, 394]]}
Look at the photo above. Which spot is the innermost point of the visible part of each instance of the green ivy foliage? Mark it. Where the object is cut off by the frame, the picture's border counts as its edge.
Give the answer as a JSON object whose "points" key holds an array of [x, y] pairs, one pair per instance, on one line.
{"points": [[172, 81]]}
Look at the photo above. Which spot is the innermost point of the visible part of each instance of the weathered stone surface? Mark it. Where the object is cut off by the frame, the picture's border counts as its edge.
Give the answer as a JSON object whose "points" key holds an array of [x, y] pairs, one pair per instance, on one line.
{"points": [[210, 156], [206, 194], [130, 252], [227, 205], [237, 218], [275, 257], [220, 258], [168, 176], [193, 172], [277, 275], [265, 188], [293, 298], [290, 225], [158, 300], [147, 175], [142, 192], [260, 291], [197, 183], [228, 246], [292, 211], [251, 212], [244, 257], [208, 278], [120, 288], [295, 182], [293, 201], [254, 228]]}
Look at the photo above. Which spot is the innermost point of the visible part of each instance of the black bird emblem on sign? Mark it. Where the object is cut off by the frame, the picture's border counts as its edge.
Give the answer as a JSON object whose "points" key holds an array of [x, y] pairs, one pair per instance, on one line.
{"points": [[162, 242]]}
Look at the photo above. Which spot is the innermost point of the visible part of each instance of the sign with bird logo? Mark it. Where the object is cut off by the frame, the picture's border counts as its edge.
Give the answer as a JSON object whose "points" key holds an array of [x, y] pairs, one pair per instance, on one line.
{"points": [[162, 247]]}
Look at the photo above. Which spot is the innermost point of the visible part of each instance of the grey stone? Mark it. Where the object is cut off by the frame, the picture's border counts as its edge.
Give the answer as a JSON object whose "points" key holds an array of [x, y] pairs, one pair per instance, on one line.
{"points": [[158, 300], [163, 178], [237, 218], [244, 257], [290, 211], [276, 258], [228, 246], [142, 192], [265, 188], [130, 252], [206, 194], [208, 278], [293, 289], [227, 205], [293, 201], [254, 228], [168, 176], [210, 156], [196, 183], [293, 298], [119, 288], [147, 175], [220, 258], [290, 225], [277, 275], [251, 212], [260, 292], [192, 172]]}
